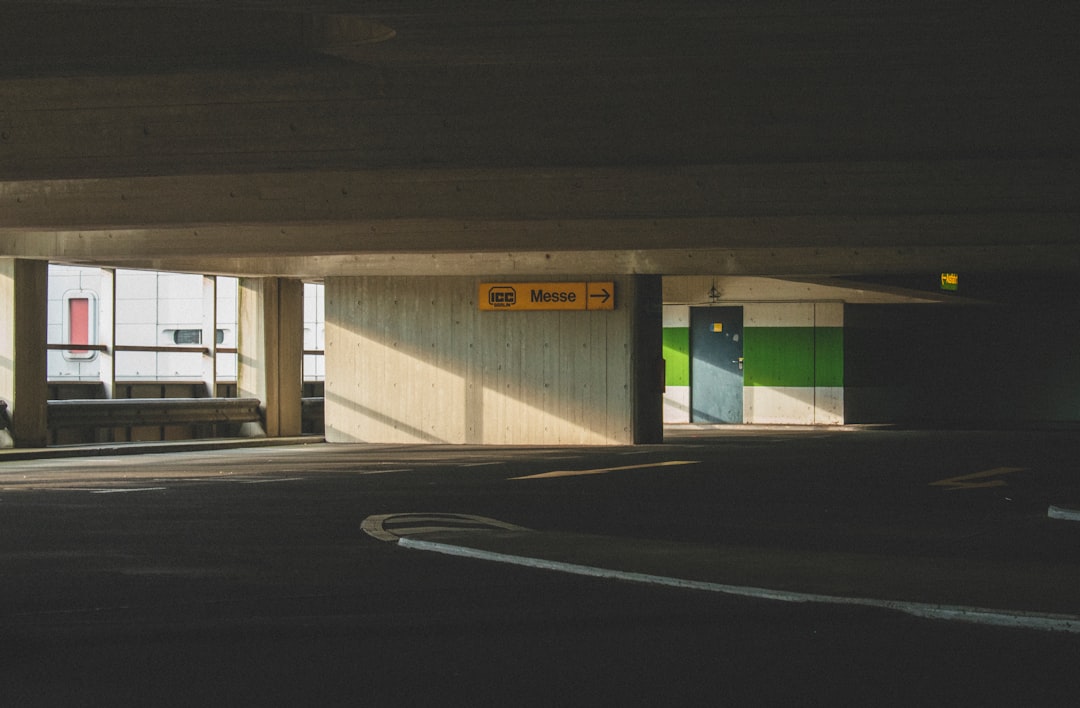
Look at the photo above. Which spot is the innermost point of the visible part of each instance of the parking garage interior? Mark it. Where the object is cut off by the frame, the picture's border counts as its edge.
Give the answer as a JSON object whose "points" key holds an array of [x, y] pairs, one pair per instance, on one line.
{"points": [[884, 199]]}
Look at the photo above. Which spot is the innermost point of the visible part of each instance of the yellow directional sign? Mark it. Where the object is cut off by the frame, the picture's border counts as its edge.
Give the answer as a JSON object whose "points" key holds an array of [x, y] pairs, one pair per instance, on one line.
{"points": [[601, 296], [514, 297]]}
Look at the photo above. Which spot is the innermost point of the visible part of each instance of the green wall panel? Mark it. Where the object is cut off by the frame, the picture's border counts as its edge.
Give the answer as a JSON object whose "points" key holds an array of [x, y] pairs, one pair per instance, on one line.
{"points": [[829, 356], [793, 356], [778, 356], [677, 355]]}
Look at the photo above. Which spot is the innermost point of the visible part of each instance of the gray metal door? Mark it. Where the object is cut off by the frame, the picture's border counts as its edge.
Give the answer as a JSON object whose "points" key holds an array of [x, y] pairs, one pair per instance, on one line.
{"points": [[716, 365]]}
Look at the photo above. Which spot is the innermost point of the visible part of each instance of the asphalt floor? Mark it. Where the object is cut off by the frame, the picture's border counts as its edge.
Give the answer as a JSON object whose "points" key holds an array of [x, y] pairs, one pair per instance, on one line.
{"points": [[1036, 592]]}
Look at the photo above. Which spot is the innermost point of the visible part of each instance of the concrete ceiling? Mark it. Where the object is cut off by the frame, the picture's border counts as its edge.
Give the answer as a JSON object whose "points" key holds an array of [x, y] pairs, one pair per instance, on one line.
{"points": [[421, 136]]}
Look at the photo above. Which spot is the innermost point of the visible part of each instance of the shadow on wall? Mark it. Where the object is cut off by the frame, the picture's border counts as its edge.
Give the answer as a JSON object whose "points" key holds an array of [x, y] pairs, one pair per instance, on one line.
{"points": [[385, 420], [926, 364]]}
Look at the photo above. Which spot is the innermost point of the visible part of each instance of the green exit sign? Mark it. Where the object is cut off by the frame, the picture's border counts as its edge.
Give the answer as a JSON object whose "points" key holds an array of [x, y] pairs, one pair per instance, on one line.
{"points": [[950, 281]]}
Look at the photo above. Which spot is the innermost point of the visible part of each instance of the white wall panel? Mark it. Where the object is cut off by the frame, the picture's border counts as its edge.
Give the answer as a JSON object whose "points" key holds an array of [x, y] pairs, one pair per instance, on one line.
{"points": [[829, 314], [677, 404], [676, 315], [776, 405], [779, 314], [829, 408], [784, 405]]}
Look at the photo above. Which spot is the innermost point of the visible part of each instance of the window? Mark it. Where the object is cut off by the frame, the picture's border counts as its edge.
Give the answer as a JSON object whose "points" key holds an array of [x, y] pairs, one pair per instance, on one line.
{"points": [[80, 323], [194, 336]]}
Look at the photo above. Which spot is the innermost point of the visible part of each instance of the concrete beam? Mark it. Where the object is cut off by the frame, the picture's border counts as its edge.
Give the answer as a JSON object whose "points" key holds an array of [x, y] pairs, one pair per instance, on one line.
{"points": [[368, 199], [764, 261], [695, 290], [854, 233], [806, 218]]}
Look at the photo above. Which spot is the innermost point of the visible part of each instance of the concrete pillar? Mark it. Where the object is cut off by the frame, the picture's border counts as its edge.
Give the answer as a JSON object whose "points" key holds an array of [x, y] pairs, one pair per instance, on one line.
{"points": [[23, 384], [209, 334], [107, 331], [271, 351], [647, 359]]}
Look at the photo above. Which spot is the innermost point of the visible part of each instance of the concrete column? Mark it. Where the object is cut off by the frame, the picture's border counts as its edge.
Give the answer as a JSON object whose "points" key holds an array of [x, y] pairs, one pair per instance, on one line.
{"points": [[209, 334], [107, 331], [271, 351], [23, 385], [645, 300]]}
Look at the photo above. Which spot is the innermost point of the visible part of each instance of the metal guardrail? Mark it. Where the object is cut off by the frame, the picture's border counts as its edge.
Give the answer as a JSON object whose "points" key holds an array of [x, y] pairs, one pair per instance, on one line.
{"points": [[128, 412], [170, 349], [312, 409]]}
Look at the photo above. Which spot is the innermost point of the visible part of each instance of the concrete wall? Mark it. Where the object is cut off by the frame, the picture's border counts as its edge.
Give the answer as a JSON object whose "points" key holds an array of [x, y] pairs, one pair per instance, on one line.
{"points": [[929, 365], [676, 363], [794, 361], [414, 360]]}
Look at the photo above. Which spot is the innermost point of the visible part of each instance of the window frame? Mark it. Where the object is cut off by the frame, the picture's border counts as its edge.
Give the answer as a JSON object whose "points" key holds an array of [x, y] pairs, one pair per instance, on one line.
{"points": [[91, 324]]}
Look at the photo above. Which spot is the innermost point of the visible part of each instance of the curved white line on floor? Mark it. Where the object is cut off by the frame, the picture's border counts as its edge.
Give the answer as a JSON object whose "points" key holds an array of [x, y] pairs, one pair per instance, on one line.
{"points": [[976, 615], [1060, 512], [421, 522]]}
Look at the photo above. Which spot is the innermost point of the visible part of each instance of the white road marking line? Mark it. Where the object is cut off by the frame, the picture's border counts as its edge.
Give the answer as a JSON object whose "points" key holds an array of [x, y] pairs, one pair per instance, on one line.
{"points": [[481, 464], [605, 470], [126, 490], [268, 481], [960, 613], [1059, 512]]}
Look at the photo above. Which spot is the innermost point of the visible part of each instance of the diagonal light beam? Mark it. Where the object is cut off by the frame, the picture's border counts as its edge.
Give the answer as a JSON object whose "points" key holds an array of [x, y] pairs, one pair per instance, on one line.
{"points": [[605, 470]]}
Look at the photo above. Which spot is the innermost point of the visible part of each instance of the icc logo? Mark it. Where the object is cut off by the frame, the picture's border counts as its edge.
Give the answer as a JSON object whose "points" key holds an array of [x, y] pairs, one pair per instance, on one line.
{"points": [[502, 296]]}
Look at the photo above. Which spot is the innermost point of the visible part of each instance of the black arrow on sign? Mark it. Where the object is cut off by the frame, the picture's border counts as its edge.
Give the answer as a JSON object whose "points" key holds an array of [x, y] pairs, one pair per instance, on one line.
{"points": [[602, 294]]}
